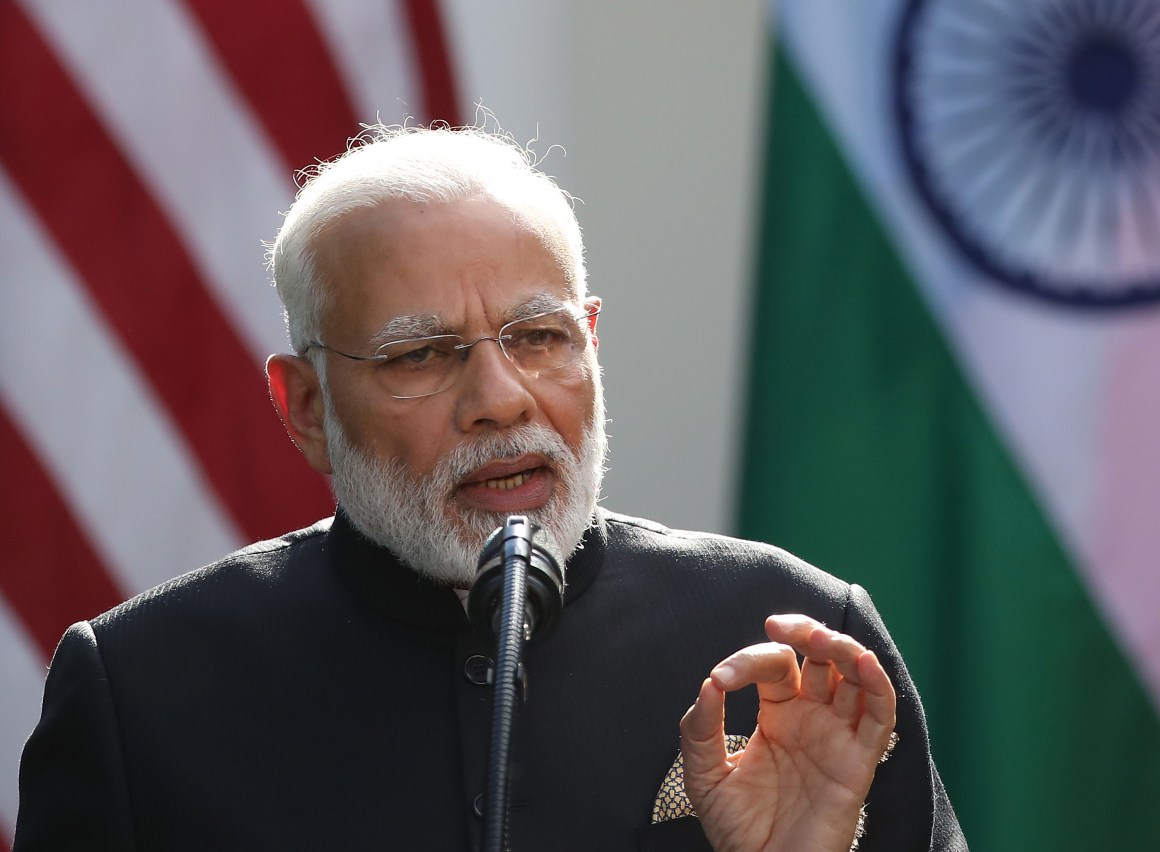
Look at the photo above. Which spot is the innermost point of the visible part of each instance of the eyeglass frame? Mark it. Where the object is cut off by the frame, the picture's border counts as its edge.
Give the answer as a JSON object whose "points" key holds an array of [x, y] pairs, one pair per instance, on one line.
{"points": [[464, 347]]}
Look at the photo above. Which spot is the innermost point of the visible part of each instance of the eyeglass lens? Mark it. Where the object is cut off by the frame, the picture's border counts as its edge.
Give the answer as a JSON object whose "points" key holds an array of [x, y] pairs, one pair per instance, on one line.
{"points": [[427, 365]]}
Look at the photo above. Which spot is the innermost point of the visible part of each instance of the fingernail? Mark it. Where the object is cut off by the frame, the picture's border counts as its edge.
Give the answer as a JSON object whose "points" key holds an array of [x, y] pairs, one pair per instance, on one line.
{"points": [[724, 675]]}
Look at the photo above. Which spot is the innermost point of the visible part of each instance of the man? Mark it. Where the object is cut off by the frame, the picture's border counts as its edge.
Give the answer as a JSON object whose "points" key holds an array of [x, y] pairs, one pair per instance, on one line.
{"points": [[325, 691]]}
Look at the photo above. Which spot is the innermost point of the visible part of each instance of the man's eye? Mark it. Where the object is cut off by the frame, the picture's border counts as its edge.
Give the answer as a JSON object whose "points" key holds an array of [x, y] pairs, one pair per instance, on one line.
{"points": [[412, 356], [416, 356], [539, 336]]}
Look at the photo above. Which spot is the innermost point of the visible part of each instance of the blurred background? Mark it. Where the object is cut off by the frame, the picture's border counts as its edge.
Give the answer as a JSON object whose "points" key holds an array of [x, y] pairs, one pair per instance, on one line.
{"points": [[880, 285]]}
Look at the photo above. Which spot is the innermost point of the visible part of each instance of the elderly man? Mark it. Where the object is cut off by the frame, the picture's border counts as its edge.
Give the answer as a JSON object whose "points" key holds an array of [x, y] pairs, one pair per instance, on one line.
{"points": [[325, 690]]}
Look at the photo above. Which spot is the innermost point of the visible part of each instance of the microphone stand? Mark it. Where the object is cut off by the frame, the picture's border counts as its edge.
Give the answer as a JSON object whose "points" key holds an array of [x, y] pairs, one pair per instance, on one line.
{"points": [[511, 618], [513, 633]]}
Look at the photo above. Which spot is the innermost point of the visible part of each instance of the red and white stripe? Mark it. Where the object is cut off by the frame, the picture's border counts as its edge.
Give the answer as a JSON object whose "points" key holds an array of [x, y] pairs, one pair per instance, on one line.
{"points": [[147, 147]]}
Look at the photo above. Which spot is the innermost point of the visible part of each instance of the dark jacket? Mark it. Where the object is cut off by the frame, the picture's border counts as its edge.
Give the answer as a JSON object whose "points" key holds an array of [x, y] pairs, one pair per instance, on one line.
{"points": [[312, 693]]}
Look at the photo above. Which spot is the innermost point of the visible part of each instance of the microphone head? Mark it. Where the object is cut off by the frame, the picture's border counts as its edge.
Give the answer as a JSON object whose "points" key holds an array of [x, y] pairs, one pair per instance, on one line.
{"points": [[518, 539]]}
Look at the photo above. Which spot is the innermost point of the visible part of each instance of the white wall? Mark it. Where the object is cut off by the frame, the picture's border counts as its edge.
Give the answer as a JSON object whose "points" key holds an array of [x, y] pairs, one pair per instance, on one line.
{"points": [[659, 104]]}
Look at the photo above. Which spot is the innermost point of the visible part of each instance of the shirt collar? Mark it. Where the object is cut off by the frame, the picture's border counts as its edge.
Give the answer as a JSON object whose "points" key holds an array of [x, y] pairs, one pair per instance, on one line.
{"points": [[382, 581]]}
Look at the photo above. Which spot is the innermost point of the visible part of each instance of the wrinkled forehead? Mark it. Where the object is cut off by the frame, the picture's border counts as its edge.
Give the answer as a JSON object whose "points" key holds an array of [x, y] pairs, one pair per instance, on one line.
{"points": [[404, 261], [390, 222]]}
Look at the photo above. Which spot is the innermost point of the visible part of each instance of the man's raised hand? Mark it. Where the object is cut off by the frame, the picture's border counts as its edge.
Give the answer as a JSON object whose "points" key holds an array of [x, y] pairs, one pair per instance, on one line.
{"points": [[822, 728]]}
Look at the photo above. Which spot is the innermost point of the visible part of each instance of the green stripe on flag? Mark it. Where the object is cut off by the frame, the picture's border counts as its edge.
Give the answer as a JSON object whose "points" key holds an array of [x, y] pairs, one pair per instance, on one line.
{"points": [[868, 454]]}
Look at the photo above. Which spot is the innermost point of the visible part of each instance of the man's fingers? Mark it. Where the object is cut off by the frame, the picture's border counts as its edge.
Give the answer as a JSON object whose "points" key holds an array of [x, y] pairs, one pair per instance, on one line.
{"points": [[704, 722], [793, 629], [839, 670], [818, 681], [703, 742], [848, 701], [825, 645], [814, 641], [771, 665], [879, 703]]}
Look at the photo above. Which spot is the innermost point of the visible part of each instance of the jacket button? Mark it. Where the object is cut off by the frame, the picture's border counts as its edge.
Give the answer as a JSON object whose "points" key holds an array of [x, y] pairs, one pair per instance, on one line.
{"points": [[479, 670], [477, 806]]}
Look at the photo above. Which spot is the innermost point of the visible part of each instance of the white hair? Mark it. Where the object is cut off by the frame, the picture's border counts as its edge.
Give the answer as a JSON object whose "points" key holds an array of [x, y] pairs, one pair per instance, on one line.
{"points": [[421, 164]]}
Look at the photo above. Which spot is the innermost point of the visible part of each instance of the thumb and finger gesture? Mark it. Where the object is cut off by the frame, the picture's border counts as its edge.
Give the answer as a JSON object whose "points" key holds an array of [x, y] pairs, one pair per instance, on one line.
{"points": [[822, 727]]}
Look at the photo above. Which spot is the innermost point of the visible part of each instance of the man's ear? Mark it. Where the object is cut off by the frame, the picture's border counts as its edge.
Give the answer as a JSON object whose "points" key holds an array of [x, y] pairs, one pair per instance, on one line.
{"points": [[297, 395], [593, 303]]}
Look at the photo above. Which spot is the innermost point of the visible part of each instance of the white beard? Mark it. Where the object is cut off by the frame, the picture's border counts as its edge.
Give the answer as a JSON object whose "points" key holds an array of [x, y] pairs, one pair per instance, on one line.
{"points": [[417, 518]]}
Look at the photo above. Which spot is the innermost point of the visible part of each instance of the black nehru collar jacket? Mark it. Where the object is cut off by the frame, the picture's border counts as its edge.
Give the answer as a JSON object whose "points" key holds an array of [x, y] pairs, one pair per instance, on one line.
{"points": [[312, 692]]}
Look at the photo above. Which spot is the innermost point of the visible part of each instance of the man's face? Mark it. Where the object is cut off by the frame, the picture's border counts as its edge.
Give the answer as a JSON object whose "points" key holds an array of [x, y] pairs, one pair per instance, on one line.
{"points": [[496, 442]]}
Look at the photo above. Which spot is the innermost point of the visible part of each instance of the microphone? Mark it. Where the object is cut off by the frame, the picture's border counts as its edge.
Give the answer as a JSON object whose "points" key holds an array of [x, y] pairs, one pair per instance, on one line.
{"points": [[517, 595], [523, 546]]}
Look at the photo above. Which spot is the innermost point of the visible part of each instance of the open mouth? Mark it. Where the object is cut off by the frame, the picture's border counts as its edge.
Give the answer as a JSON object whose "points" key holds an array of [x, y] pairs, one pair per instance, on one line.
{"points": [[507, 483]]}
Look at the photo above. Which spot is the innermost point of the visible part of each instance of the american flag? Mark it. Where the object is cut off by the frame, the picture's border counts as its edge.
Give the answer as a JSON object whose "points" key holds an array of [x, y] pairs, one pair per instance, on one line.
{"points": [[147, 148]]}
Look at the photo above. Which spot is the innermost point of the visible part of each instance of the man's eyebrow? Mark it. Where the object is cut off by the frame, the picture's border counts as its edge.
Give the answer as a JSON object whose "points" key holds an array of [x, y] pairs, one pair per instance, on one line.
{"points": [[408, 326], [428, 325], [541, 303]]}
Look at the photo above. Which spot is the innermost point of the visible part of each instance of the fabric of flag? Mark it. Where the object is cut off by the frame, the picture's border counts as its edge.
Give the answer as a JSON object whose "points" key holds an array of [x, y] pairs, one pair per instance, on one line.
{"points": [[147, 147], [955, 388]]}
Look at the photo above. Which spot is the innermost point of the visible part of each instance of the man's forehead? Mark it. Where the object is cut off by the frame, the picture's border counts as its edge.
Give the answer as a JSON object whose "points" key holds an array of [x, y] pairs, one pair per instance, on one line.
{"points": [[404, 269], [398, 220]]}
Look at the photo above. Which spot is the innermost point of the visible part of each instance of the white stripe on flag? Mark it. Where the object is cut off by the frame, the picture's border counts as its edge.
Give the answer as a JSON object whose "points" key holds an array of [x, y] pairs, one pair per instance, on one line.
{"points": [[81, 403], [371, 47], [136, 60], [1125, 536], [22, 672]]}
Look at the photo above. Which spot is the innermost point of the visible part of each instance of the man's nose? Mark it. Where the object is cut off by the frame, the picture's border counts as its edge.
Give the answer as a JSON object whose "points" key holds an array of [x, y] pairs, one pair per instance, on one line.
{"points": [[493, 393]]}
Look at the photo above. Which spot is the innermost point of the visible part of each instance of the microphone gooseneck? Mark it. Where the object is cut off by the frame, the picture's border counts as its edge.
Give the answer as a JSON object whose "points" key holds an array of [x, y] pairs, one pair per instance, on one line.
{"points": [[517, 595]]}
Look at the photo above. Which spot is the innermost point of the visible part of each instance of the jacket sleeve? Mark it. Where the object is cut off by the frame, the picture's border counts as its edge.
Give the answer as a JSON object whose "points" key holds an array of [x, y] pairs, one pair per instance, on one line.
{"points": [[73, 790], [907, 807]]}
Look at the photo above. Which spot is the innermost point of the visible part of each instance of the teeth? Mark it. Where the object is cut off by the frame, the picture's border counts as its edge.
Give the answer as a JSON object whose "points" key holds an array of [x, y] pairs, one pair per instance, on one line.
{"points": [[508, 482]]}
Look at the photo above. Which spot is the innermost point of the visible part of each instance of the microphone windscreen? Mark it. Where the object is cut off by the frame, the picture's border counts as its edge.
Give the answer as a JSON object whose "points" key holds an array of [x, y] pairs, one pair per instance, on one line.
{"points": [[538, 555]]}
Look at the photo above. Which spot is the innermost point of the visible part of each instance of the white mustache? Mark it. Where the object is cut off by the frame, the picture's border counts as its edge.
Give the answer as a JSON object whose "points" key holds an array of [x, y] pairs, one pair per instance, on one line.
{"points": [[528, 439]]}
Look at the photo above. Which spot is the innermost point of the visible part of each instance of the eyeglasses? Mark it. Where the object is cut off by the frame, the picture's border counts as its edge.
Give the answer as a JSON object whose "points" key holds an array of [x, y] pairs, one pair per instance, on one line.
{"points": [[423, 366]]}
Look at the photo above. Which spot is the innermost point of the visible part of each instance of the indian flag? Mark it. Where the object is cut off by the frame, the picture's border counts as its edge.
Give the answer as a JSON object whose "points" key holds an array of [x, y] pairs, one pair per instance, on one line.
{"points": [[955, 391]]}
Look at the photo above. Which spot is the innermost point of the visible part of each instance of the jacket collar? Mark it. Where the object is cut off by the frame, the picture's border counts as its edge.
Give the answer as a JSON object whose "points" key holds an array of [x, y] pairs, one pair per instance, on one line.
{"points": [[382, 581]]}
